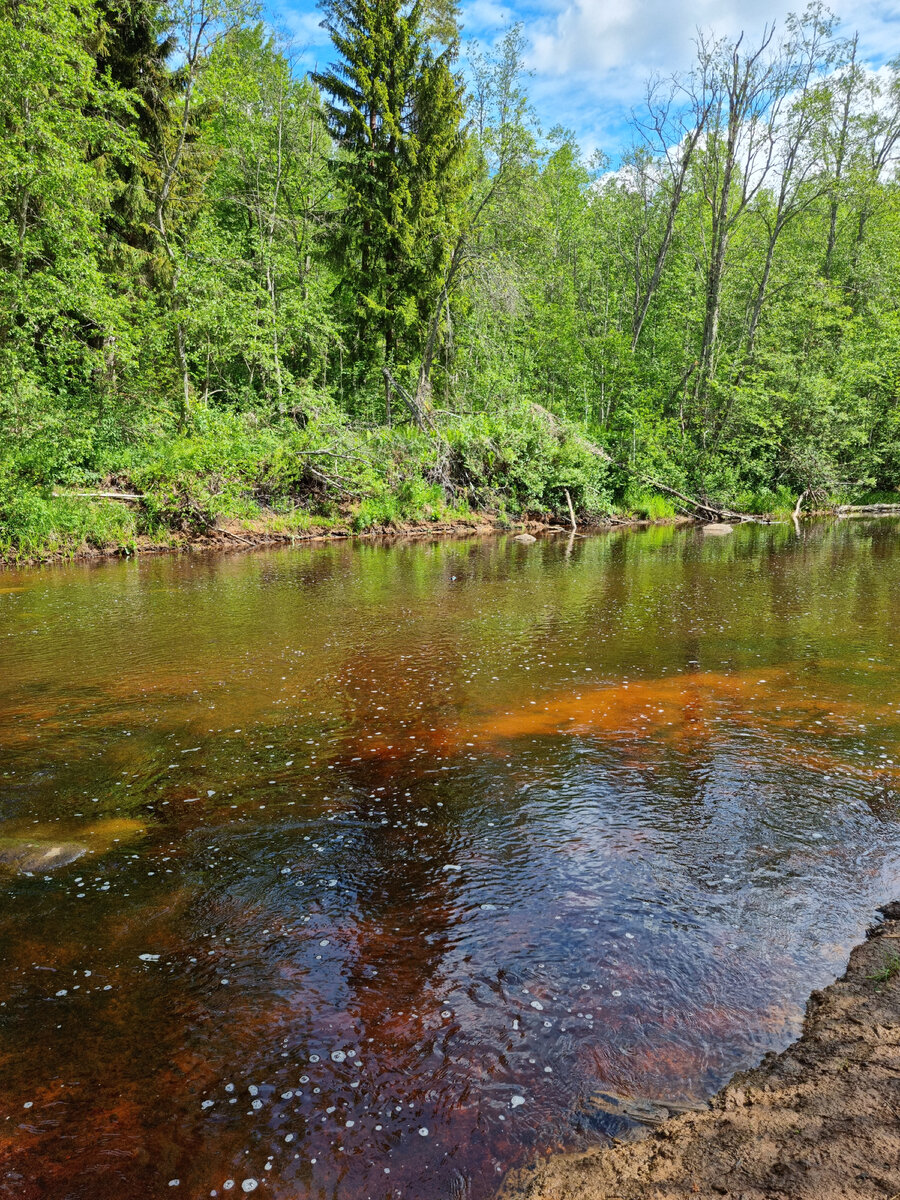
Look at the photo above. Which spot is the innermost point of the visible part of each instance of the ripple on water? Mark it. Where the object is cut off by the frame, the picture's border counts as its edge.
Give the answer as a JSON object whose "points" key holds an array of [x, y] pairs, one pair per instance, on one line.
{"points": [[402, 866]]}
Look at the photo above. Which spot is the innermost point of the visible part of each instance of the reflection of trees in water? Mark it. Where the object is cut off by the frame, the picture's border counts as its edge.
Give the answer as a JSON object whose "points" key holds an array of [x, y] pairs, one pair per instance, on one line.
{"points": [[692, 772]]}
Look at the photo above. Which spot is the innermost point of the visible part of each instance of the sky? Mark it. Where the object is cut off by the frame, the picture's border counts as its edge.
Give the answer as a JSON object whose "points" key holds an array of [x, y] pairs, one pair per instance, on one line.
{"points": [[589, 59]]}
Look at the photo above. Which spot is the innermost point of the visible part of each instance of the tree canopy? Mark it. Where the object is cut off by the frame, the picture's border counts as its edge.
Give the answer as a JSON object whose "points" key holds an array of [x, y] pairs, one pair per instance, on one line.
{"points": [[194, 231]]}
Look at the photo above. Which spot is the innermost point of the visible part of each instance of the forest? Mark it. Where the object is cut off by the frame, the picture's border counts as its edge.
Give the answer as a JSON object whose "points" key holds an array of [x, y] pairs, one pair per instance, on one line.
{"points": [[384, 292]]}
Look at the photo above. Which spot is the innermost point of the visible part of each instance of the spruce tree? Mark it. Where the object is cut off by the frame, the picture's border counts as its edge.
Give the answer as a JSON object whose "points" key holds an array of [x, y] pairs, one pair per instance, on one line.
{"points": [[133, 52], [395, 114]]}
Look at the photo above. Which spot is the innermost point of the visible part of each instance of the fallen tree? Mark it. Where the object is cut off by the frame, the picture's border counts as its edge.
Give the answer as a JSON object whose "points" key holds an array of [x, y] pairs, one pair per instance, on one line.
{"points": [[695, 507]]}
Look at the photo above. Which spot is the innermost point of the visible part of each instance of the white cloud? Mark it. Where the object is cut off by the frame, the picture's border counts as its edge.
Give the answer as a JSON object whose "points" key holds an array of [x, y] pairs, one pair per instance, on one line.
{"points": [[480, 17], [596, 38], [591, 58], [593, 38]]}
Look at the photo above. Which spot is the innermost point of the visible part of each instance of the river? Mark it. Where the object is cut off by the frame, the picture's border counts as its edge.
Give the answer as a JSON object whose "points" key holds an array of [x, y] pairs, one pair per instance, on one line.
{"points": [[370, 872]]}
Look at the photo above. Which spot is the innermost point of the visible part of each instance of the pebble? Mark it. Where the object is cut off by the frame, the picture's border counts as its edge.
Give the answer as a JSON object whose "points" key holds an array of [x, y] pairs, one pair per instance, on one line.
{"points": [[249, 1185], [516, 1101]]}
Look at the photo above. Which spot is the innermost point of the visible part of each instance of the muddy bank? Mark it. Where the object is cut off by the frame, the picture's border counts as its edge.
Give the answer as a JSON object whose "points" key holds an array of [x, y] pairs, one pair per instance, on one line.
{"points": [[249, 535], [821, 1121]]}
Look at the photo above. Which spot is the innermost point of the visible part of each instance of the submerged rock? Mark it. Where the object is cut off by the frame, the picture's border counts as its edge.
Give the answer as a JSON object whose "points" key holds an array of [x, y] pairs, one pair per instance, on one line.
{"points": [[637, 1108], [718, 530], [524, 538], [41, 847], [17, 854]]}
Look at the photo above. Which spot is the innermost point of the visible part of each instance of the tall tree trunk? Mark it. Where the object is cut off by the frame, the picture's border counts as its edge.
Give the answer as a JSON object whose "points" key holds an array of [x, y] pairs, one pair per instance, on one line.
{"points": [[662, 253], [839, 159]]}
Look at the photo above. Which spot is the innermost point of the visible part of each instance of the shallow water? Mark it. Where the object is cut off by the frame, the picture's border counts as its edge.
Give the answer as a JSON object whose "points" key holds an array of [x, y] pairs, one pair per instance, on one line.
{"points": [[389, 859]]}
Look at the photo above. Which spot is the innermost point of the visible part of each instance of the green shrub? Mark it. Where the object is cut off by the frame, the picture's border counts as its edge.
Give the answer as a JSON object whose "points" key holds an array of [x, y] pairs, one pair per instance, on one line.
{"points": [[647, 505]]}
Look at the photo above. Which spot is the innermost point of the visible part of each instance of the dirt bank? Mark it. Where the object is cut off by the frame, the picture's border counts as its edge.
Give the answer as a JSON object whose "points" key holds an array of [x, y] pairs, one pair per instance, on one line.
{"points": [[819, 1122], [247, 535]]}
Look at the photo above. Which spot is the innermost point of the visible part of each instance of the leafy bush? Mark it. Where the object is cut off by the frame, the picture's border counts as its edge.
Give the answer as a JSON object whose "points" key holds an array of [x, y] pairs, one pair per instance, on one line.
{"points": [[36, 523], [648, 506], [527, 462]]}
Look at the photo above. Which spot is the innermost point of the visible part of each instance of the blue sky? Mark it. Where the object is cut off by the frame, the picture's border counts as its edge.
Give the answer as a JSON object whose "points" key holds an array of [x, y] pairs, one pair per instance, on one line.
{"points": [[590, 58]]}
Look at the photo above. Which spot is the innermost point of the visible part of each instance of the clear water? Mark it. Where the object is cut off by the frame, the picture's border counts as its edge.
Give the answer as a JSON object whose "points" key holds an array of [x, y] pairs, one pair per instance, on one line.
{"points": [[430, 844]]}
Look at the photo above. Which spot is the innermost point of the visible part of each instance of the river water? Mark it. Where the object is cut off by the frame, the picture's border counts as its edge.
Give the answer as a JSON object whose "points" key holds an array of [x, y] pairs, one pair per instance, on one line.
{"points": [[402, 865]]}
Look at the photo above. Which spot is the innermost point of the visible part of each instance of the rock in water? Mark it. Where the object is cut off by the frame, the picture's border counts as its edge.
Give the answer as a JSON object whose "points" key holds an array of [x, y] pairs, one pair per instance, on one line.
{"points": [[638, 1108], [24, 856], [526, 539], [717, 530]]}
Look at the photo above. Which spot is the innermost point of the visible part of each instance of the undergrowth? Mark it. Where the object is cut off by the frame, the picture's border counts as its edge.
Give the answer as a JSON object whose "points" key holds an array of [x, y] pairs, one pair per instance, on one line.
{"points": [[321, 472], [889, 968]]}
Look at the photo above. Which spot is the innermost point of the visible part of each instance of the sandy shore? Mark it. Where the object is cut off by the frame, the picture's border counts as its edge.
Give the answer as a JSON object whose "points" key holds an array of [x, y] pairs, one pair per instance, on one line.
{"points": [[821, 1121]]}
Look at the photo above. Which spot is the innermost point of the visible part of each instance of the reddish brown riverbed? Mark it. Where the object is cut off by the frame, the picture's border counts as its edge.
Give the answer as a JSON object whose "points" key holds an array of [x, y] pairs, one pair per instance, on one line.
{"points": [[391, 858]]}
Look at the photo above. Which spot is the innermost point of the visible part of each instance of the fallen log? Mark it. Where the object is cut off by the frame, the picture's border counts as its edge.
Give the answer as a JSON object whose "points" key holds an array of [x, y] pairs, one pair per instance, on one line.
{"points": [[851, 509], [126, 496], [699, 506]]}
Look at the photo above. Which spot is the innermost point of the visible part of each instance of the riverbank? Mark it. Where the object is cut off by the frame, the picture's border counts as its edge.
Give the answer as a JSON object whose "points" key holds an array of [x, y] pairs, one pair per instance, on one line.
{"points": [[821, 1121], [231, 535], [229, 480], [273, 530], [234, 535]]}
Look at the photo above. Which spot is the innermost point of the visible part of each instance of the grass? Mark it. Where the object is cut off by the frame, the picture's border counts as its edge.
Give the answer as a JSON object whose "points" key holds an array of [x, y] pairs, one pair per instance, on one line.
{"points": [[271, 474], [889, 968], [646, 505], [776, 502], [35, 525]]}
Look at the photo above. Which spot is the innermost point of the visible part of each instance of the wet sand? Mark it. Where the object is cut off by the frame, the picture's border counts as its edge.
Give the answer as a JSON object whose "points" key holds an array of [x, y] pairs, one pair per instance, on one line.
{"points": [[821, 1121]]}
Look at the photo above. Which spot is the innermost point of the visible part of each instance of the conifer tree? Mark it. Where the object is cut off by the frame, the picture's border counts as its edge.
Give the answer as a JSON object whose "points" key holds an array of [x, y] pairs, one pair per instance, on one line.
{"points": [[395, 114], [133, 52]]}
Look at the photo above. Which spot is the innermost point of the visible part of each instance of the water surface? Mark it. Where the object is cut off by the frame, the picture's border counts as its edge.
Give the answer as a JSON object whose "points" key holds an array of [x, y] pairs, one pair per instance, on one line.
{"points": [[393, 859]]}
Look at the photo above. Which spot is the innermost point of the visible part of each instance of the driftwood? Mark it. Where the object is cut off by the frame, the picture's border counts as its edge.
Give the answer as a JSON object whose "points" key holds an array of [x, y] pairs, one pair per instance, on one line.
{"points": [[571, 509], [850, 510], [128, 497]]}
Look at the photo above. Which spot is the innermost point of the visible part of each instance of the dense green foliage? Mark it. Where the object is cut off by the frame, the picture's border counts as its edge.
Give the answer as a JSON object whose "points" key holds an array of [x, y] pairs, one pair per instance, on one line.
{"points": [[218, 274]]}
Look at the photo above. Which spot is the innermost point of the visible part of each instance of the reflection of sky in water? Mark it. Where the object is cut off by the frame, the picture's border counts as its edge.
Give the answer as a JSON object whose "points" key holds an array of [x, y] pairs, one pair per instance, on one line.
{"points": [[397, 856]]}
